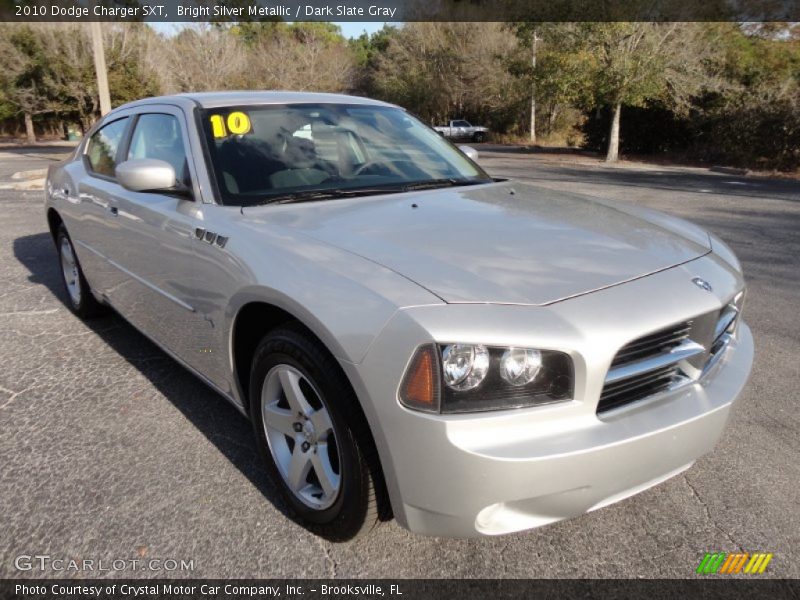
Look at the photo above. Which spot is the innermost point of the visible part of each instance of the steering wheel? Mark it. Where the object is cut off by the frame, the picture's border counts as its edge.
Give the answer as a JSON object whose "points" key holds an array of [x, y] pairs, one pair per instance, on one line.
{"points": [[373, 163]]}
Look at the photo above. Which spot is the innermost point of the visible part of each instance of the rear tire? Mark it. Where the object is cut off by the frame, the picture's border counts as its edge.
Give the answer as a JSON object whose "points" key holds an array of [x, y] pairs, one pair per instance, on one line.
{"points": [[311, 432], [80, 299]]}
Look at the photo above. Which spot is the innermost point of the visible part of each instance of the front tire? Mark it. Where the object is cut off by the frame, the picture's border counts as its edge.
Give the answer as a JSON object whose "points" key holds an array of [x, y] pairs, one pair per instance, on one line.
{"points": [[80, 299], [311, 433], [478, 137]]}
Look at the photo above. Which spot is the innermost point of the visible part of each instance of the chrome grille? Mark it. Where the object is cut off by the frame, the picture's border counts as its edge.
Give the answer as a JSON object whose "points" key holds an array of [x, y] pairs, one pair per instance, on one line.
{"points": [[725, 329], [636, 388], [668, 358], [725, 326], [655, 343]]}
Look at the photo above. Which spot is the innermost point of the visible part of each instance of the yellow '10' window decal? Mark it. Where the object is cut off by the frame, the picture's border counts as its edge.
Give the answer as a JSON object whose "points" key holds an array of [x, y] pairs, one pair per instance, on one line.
{"points": [[237, 123]]}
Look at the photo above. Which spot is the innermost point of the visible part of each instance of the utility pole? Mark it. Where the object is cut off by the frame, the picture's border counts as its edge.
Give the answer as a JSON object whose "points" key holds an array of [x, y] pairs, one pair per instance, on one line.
{"points": [[100, 67], [534, 40]]}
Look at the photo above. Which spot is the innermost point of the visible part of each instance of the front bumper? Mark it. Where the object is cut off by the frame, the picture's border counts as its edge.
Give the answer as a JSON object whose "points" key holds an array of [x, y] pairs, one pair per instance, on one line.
{"points": [[496, 473], [551, 477]]}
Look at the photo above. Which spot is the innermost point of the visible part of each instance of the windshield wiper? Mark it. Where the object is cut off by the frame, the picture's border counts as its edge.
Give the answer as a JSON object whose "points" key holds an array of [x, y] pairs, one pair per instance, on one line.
{"points": [[311, 195], [440, 183]]}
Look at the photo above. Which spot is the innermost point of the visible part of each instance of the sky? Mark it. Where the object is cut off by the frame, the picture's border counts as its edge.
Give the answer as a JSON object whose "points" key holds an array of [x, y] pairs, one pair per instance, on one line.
{"points": [[349, 29]]}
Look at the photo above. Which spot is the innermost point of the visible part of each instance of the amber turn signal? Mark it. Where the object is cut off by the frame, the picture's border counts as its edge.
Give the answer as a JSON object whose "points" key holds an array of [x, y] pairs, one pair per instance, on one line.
{"points": [[420, 388]]}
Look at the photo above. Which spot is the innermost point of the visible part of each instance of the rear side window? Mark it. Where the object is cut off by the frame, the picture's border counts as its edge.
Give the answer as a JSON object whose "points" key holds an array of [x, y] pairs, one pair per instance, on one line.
{"points": [[103, 145], [159, 136]]}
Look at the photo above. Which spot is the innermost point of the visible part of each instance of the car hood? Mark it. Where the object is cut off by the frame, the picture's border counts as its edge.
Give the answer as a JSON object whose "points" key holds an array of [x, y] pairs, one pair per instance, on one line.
{"points": [[500, 243]]}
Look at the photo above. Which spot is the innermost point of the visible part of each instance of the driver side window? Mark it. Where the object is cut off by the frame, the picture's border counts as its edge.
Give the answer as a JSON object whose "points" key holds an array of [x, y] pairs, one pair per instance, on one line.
{"points": [[102, 149], [159, 136]]}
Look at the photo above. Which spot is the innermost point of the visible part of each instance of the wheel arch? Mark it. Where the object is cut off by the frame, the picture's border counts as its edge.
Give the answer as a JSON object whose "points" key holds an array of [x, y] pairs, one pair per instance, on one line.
{"points": [[253, 320], [54, 221], [253, 317]]}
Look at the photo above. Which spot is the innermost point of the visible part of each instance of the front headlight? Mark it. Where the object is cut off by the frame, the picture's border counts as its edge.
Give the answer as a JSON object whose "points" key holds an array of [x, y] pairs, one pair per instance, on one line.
{"points": [[455, 378], [520, 366], [464, 366]]}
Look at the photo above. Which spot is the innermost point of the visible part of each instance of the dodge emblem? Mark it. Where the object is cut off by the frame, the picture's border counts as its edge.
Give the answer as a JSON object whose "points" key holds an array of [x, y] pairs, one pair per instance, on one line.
{"points": [[702, 283]]}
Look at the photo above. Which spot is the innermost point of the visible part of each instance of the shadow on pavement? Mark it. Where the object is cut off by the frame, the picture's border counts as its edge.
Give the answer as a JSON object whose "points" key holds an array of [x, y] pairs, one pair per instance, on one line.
{"points": [[44, 152], [56, 148], [211, 414], [564, 150], [764, 237]]}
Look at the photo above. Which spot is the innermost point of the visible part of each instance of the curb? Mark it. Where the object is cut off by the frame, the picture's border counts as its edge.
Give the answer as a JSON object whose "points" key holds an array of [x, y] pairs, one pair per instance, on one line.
{"points": [[729, 170], [32, 174], [27, 185]]}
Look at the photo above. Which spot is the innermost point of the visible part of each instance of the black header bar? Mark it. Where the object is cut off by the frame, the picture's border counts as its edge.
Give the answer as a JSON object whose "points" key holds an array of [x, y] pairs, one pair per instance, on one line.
{"points": [[395, 11]]}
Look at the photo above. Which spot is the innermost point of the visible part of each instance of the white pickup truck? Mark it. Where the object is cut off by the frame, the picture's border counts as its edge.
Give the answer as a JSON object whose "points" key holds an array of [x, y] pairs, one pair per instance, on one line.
{"points": [[463, 130]]}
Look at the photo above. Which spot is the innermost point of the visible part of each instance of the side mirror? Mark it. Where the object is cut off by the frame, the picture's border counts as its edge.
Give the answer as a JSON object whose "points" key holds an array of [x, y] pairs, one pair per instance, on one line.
{"points": [[149, 175], [471, 153]]}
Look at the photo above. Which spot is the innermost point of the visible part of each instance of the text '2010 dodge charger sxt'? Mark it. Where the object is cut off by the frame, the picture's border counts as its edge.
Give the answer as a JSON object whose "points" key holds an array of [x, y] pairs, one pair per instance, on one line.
{"points": [[408, 335]]}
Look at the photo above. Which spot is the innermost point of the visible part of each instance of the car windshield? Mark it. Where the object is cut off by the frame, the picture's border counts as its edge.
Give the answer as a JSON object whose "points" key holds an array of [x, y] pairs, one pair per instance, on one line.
{"points": [[288, 153]]}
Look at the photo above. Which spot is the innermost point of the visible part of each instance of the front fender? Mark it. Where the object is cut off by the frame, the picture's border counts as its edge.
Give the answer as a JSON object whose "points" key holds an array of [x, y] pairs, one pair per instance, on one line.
{"points": [[344, 299]]}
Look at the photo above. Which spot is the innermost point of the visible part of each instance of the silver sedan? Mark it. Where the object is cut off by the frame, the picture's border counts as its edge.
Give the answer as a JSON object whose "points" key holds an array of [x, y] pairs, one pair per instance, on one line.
{"points": [[408, 335]]}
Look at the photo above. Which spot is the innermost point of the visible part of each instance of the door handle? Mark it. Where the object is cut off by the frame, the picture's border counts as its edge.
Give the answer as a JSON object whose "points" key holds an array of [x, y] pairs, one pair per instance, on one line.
{"points": [[113, 210]]}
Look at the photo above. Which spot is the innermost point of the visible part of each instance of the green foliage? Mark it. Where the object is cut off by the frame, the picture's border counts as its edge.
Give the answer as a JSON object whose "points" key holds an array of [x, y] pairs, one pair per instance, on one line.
{"points": [[747, 113], [253, 32], [442, 71], [28, 79], [127, 81], [367, 47], [51, 73], [725, 92]]}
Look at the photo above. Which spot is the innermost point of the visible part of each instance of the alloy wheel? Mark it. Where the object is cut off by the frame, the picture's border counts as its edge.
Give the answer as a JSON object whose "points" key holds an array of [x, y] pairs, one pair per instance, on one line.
{"points": [[69, 268], [301, 436]]}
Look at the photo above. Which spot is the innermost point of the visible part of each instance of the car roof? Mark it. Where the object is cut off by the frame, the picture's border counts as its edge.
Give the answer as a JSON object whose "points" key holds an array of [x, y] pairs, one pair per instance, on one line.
{"points": [[239, 98]]}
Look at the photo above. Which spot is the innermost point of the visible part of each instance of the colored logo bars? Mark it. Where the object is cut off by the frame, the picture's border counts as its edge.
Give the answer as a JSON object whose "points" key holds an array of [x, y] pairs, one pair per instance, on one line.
{"points": [[744, 562]]}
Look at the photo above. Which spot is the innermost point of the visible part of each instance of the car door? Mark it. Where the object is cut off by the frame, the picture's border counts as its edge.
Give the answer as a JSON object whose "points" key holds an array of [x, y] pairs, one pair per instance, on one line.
{"points": [[154, 237], [90, 224]]}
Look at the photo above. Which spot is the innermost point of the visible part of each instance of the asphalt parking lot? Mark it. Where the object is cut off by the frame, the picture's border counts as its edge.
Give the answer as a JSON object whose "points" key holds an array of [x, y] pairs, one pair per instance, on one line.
{"points": [[110, 450]]}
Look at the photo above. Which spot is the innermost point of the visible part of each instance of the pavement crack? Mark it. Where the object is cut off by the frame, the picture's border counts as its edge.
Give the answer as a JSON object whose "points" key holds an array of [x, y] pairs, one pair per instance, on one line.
{"points": [[709, 516], [503, 560], [16, 313], [328, 558], [13, 395]]}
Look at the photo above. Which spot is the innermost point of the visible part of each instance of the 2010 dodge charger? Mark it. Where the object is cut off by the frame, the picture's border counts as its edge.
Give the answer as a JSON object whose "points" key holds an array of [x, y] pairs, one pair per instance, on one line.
{"points": [[408, 335]]}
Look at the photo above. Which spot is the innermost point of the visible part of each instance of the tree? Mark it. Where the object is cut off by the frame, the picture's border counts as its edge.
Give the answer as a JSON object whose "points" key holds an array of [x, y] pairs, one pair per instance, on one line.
{"points": [[559, 75], [74, 76], [528, 34], [27, 79], [128, 48], [301, 56], [50, 71], [366, 50], [633, 63], [203, 58], [448, 70], [752, 117]]}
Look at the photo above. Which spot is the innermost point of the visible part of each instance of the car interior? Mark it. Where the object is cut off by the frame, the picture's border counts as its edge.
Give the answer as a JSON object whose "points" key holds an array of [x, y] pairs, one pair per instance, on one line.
{"points": [[286, 151]]}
